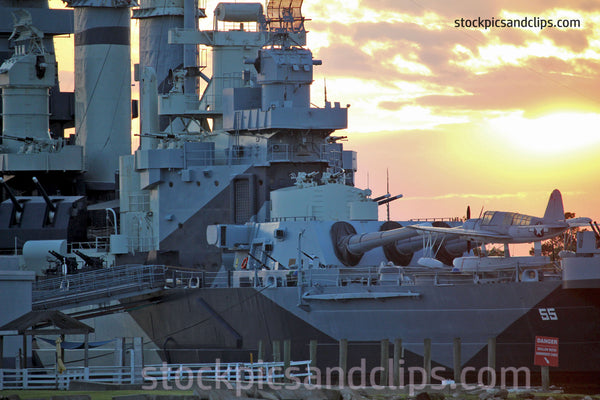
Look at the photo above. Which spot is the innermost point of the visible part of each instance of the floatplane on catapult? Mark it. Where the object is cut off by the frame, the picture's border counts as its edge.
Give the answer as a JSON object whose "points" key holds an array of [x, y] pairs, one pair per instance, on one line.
{"points": [[505, 228]]}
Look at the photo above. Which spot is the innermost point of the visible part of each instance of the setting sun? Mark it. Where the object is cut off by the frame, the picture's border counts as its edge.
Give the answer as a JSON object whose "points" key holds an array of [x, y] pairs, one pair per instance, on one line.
{"points": [[559, 133]]}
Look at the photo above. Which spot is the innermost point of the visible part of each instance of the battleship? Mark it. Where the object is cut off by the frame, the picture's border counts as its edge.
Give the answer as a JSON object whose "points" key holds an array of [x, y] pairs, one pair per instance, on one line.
{"points": [[240, 205]]}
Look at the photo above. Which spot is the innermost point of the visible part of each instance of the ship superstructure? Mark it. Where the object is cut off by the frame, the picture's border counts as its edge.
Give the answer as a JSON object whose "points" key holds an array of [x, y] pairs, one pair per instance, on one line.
{"points": [[263, 129], [26, 79], [246, 201]]}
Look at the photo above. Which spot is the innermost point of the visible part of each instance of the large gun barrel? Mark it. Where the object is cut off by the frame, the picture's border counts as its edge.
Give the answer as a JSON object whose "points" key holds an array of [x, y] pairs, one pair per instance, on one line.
{"points": [[18, 206], [361, 243], [49, 202], [389, 199], [350, 246], [398, 243], [157, 135], [25, 139], [56, 255], [83, 256], [92, 262]]}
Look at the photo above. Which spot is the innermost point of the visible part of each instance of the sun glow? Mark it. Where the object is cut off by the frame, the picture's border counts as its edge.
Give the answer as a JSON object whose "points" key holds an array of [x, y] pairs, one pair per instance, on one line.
{"points": [[496, 55], [549, 134]]}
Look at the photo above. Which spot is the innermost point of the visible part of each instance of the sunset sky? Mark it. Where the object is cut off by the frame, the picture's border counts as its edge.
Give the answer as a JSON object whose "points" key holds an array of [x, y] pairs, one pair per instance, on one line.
{"points": [[492, 118]]}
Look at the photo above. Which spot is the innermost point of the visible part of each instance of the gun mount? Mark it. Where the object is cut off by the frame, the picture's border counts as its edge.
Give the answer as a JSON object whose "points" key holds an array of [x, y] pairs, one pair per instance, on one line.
{"points": [[33, 145], [51, 210], [291, 242], [90, 262], [15, 218], [312, 208], [41, 218], [171, 140], [69, 262]]}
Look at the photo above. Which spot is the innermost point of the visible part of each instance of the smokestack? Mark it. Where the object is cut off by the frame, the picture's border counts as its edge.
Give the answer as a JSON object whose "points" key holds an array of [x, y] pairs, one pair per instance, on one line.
{"points": [[102, 86], [156, 19]]}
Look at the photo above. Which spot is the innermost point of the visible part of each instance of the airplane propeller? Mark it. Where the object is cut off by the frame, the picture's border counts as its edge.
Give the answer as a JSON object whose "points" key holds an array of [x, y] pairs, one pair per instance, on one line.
{"points": [[595, 229], [468, 218]]}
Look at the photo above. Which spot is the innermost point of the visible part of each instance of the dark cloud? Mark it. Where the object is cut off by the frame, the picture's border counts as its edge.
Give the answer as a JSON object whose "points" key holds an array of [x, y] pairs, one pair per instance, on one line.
{"points": [[516, 37], [346, 60], [575, 40], [542, 79], [361, 33], [431, 48], [394, 105], [513, 87], [445, 8], [482, 9], [587, 67]]}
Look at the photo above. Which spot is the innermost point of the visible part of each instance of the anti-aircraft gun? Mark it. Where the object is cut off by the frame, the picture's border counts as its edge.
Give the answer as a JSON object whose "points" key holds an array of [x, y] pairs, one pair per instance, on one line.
{"points": [[170, 140], [43, 216], [70, 262], [34, 145], [90, 262], [17, 212], [157, 135]]}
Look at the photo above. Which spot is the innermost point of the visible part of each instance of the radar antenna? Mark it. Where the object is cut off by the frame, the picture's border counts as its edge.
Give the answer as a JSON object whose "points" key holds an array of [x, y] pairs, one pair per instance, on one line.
{"points": [[285, 16], [387, 205]]}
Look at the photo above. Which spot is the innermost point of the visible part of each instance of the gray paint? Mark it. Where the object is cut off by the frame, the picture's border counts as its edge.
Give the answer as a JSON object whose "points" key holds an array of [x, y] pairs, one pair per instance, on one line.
{"points": [[15, 298], [102, 92], [103, 35]]}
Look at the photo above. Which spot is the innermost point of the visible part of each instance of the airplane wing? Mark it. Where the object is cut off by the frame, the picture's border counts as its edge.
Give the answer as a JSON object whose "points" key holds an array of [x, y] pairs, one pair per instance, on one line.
{"points": [[581, 221], [468, 234]]}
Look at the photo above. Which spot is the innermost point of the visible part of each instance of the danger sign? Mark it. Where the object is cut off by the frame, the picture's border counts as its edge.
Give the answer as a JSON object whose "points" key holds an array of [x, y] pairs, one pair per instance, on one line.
{"points": [[546, 351]]}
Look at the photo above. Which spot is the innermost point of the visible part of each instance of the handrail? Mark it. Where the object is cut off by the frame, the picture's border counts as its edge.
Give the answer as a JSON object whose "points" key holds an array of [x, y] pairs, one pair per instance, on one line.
{"points": [[126, 279], [98, 283], [50, 378]]}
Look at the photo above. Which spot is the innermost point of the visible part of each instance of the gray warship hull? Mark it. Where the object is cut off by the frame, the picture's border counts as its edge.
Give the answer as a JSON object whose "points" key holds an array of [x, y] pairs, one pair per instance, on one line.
{"points": [[227, 324]]}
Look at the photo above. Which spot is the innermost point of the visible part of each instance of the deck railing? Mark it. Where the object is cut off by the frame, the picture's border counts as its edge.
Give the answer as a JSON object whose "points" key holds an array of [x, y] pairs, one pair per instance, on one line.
{"points": [[231, 372], [124, 280], [50, 378], [105, 282]]}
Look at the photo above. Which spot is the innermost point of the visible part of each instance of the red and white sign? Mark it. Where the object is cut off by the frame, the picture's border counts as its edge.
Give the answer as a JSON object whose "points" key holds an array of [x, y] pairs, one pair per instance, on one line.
{"points": [[546, 351]]}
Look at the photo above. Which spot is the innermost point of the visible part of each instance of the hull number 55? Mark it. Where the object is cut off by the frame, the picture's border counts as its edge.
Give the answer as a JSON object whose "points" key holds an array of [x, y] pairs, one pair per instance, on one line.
{"points": [[548, 314]]}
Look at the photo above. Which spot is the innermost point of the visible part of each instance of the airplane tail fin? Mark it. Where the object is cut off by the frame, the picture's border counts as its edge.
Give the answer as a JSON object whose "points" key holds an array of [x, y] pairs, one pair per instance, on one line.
{"points": [[555, 210]]}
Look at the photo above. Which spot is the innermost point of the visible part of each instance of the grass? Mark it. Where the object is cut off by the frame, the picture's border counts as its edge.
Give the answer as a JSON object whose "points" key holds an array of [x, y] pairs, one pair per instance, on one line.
{"points": [[99, 395], [109, 394]]}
